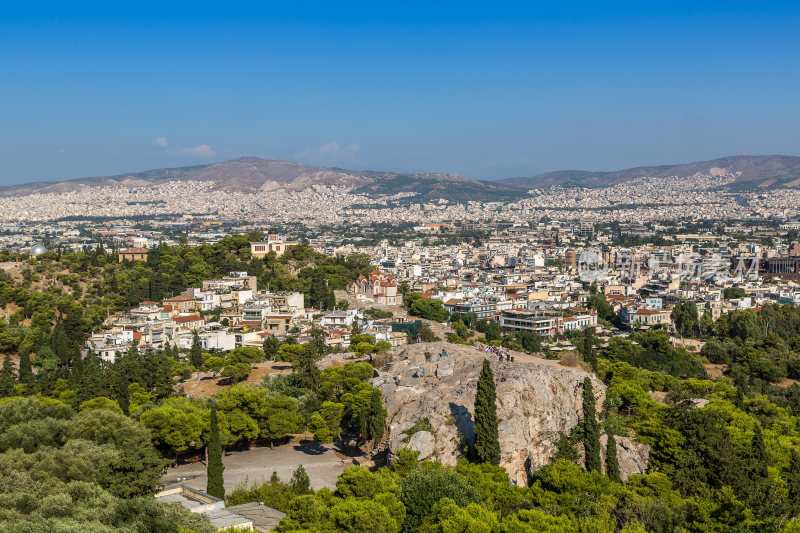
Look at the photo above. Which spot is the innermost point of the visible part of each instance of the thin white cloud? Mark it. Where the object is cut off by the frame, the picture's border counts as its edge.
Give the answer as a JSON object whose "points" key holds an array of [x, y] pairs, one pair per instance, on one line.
{"points": [[202, 150], [332, 152], [160, 141]]}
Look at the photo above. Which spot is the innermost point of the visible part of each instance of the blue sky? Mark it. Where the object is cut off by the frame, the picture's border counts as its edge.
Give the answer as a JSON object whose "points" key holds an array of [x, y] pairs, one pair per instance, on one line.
{"points": [[487, 90]]}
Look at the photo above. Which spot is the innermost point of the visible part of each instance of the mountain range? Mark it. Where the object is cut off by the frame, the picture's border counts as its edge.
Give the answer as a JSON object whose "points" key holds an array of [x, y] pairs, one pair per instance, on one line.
{"points": [[257, 174], [750, 171]]}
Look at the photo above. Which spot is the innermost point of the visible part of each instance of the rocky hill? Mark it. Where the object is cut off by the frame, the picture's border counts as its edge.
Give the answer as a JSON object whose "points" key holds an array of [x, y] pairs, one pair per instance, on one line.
{"points": [[749, 171], [253, 174], [536, 402]]}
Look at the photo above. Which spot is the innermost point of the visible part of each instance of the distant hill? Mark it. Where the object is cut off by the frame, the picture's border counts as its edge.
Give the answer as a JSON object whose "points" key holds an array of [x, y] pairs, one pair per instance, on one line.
{"points": [[750, 171], [254, 174]]}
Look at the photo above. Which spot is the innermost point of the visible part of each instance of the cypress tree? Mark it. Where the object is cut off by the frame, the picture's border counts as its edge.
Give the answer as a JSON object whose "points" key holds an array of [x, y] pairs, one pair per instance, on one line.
{"points": [[7, 378], [25, 371], [330, 301], [196, 352], [487, 444], [738, 401], [377, 416], [612, 464], [216, 486], [792, 477], [758, 453], [91, 381], [587, 347], [123, 393], [591, 432]]}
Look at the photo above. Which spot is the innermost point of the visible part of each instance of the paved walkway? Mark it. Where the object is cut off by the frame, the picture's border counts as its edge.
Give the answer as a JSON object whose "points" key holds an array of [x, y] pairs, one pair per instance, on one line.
{"points": [[257, 464]]}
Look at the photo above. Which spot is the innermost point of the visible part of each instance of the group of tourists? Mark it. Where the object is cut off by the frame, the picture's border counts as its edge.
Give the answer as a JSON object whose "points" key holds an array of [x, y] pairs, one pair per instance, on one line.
{"points": [[497, 351]]}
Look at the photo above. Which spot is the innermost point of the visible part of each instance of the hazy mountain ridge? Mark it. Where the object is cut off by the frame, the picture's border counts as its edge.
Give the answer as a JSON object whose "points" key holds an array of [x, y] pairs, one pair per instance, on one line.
{"points": [[256, 174], [756, 171]]}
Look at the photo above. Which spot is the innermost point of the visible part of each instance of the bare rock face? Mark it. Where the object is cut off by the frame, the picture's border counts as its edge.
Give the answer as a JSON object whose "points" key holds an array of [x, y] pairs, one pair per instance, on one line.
{"points": [[536, 401], [632, 456], [423, 442]]}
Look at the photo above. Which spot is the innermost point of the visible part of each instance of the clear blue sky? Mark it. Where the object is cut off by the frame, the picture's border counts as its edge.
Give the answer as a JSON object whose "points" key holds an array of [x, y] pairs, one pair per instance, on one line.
{"points": [[488, 90]]}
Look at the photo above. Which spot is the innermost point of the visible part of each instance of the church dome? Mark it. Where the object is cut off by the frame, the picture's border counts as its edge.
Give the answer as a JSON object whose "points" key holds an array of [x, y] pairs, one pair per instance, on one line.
{"points": [[37, 249]]}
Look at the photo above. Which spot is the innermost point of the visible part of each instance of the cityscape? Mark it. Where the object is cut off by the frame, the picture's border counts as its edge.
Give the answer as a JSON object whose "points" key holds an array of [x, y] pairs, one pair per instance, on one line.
{"points": [[433, 327]]}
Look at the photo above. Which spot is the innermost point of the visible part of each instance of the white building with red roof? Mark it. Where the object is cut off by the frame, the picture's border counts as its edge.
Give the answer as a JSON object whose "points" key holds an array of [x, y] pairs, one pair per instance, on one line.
{"points": [[377, 286]]}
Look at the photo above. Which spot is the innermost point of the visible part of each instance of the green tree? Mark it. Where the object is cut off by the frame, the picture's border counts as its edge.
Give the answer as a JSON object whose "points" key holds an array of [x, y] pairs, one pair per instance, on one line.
{"points": [[25, 372], [123, 392], [591, 431], [406, 461], [758, 460], [215, 468], [601, 305], [486, 448], [586, 347], [137, 466], [7, 377], [237, 372], [792, 477], [300, 481], [270, 347], [530, 341], [319, 428], [196, 352], [424, 487], [304, 367], [612, 464], [377, 416], [214, 364]]}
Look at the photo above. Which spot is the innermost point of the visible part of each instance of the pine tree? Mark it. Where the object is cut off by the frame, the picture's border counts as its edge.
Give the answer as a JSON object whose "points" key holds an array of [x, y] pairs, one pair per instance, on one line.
{"points": [[271, 346], [591, 432], [196, 352], [300, 481], [487, 443], [216, 486], [7, 378], [305, 369], [25, 371], [612, 464]]}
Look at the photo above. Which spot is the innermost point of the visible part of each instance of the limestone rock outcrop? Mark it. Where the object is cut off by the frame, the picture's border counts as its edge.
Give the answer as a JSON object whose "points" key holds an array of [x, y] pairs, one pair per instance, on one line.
{"points": [[537, 400], [632, 455]]}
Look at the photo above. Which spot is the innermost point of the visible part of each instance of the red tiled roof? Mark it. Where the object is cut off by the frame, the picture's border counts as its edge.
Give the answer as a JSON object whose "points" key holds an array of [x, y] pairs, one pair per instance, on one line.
{"points": [[180, 298], [188, 318]]}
